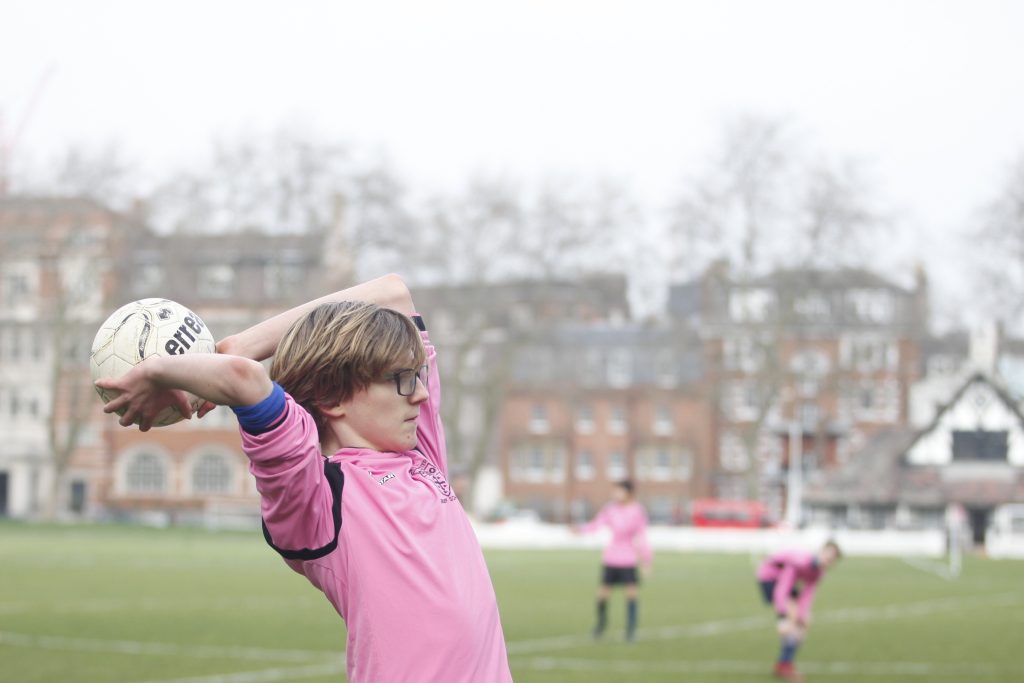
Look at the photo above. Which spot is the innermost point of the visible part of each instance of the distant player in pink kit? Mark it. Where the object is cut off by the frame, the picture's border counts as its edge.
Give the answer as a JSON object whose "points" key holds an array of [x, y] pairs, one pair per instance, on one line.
{"points": [[788, 581], [346, 444], [628, 523]]}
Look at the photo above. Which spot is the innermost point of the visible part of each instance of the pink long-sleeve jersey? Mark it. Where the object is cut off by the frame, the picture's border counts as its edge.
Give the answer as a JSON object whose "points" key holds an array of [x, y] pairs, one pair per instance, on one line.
{"points": [[786, 568], [628, 524], [387, 541]]}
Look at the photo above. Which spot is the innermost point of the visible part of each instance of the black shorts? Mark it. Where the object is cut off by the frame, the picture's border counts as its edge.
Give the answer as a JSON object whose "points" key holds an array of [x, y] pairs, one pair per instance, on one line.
{"points": [[611, 576], [768, 592]]}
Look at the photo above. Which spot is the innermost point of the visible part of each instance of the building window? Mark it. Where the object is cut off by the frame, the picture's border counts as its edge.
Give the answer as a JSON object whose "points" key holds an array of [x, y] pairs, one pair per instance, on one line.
{"points": [[616, 466], [15, 343], [17, 285], [733, 453], [535, 469], [147, 279], [211, 473], [751, 305], [585, 419], [539, 419], [620, 368], [665, 368], [810, 415], [871, 305], [617, 420], [868, 353], [742, 400], [980, 446], [145, 473], [746, 354], [813, 307], [216, 282], [662, 470], [662, 420], [584, 466], [591, 364], [282, 280]]}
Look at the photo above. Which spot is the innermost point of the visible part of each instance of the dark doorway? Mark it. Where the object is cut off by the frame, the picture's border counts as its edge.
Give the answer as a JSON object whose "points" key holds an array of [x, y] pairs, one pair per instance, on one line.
{"points": [[3, 494], [78, 496], [978, 519]]}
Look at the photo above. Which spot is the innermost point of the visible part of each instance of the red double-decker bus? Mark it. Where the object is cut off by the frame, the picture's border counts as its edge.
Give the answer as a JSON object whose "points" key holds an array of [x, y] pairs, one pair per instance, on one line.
{"points": [[729, 514]]}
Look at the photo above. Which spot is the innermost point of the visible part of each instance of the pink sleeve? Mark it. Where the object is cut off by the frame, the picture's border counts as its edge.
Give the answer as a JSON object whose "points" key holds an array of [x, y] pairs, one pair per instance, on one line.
{"points": [[429, 429], [783, 587], [643, 547], [805, 600], [594, 524], [295, 498]]}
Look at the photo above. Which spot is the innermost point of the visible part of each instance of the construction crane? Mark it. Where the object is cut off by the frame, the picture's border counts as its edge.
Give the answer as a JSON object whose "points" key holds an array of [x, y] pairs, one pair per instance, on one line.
{"points": [[9, 140]]}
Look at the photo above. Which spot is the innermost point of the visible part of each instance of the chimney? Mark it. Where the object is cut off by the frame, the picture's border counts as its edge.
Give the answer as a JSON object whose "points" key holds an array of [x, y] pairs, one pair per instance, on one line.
{"points": [[983, 353]]}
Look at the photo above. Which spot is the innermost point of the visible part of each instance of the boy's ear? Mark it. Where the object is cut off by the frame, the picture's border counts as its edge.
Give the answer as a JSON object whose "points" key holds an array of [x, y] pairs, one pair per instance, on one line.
{"points": [[337, 410]]}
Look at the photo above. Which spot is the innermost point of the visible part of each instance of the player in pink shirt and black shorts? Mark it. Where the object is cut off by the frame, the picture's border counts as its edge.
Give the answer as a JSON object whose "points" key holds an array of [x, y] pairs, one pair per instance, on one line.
{"points": [[345, 442], [788, 581], [627, 520]]}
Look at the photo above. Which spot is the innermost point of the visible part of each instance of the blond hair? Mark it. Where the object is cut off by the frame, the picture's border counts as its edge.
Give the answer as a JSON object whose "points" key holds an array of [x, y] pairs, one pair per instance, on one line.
{"points": [[339, 349]]}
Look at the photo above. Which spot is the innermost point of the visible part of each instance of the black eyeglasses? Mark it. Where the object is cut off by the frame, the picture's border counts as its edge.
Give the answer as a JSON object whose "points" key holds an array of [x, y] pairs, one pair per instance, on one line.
{"points": [[405, 380]]}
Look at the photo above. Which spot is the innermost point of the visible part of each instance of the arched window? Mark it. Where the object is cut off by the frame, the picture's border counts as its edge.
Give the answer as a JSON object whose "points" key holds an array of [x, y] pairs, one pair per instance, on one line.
{"points": [[211, 473], [145, 473]]}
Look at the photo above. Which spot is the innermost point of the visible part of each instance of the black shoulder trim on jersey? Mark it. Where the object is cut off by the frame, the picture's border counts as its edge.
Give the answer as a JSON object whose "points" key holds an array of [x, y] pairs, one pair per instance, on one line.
{"points": [[420, 325], [336, 480]]}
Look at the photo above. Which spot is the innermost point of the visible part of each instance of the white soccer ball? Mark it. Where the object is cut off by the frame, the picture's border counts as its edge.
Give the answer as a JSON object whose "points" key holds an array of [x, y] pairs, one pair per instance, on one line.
{"points": [[144, 328]]}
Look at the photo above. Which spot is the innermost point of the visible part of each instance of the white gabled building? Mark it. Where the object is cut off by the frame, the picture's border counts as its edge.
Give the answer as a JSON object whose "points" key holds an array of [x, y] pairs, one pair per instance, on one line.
{"points": [[971, 454]]}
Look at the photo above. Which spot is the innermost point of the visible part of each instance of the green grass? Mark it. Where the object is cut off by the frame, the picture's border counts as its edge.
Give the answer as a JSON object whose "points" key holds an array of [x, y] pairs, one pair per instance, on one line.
{"points": [[97, 604]]}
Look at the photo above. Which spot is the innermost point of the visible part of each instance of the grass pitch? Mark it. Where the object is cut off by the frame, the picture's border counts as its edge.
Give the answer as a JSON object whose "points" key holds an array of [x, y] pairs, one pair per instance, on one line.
{"points": [[98, 604]]}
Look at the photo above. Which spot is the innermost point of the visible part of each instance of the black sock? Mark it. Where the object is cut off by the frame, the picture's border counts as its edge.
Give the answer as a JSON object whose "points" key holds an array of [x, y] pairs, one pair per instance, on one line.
{"points": [[631, 618], [602, 616], [788, 651]]}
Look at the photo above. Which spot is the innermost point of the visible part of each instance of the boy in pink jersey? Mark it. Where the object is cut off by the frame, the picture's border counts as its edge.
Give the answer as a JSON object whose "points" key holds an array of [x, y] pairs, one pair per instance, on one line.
{"points": [[348, 451], [788, 580], [628, 523]]}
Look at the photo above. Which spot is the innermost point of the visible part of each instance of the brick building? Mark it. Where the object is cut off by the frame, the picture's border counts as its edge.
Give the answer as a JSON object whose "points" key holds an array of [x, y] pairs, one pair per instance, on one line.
{"points": [[589, 405], [56, 283], [826, 356], [196, 470]]}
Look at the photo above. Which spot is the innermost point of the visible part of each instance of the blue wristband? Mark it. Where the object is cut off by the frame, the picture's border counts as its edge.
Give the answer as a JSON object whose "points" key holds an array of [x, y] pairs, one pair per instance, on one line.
{"points": [[258, 418]]}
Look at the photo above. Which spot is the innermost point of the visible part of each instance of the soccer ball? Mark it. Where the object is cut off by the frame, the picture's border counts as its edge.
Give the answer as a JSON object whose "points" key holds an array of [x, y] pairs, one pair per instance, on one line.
{"points": [[144, 328]]}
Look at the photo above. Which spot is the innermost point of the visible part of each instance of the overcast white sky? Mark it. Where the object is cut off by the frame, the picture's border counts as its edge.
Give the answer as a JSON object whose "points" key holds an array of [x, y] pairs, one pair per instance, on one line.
{"points": [[929, 94]]}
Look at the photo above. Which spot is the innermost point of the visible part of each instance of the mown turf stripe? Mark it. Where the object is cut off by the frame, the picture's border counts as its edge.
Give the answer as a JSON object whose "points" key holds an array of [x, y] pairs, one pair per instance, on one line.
{"points": [[140, 647], [721, 626], [761, 669], [263, 675]]}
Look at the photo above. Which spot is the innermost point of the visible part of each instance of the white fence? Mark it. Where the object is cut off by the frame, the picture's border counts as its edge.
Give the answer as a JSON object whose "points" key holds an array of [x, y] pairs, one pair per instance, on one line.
{"points": [[521, 534]]}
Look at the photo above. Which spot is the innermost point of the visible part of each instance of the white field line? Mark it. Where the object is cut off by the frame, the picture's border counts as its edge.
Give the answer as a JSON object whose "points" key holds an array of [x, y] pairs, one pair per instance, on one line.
{"points": [[957, 670], [940, 570], [263, 675], [718, 627], [153, 605], [139, 647]]}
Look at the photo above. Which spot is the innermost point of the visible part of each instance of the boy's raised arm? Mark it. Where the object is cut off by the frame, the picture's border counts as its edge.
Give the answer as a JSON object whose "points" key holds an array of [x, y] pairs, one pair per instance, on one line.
{"points": [[160, 381], [260, 341]]}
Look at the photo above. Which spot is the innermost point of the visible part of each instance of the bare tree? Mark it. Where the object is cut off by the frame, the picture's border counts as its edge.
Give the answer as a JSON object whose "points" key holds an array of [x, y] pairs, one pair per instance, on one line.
{"points": [[837, 221], [764, 202], [998, 243], [286, 182], [60, 245], [496, 236], [72, 271], [738, 202]]}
